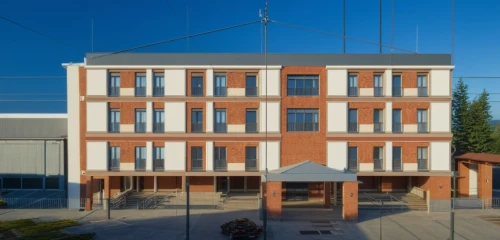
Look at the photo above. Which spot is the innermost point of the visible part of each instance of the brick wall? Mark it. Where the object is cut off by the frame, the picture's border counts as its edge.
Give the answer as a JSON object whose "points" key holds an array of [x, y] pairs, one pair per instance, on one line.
{"points": [[127, 149], [409, 79], [409, 150], [274, 205], [350, 203], [316, 190], [485, 180], [236, 183], [365, 79], [437, 192], [127, 110], [115, 185], [409, 110], [253, 183], [390, 184], [157, 105], [189, 74], [82, 77], [149, 183], [127, 78], [195, 105], [201, 184], [368, 182], [365, 150], [235, 151], [169, 183], [236, 111], [463, 180], [365, 110], [188, 155]]}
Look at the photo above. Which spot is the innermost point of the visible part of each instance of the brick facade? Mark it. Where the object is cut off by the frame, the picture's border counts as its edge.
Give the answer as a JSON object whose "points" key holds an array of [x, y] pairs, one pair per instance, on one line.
{"points": [[409, 79], [273, 199], [189, 74], [350, 201], [409, 110], [188, 154], [236, 151], [127, 110], [236, 111], [127, 149], [189, 109], [365, 150], [365, 110], [409, 150]]}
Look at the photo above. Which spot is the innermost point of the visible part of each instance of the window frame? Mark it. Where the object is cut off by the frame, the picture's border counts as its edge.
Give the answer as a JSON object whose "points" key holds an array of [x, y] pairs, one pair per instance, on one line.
{"points": [[143, 116], [219, 123], [219, 158], [140, 151], [295, 111], [306, 80], [198, 154], [158, 77], [196, 77], [220, 85], [161, 123], [196, 111], [351, 159], [140, 84], [251, 91], [112, 79], [112, 115]]}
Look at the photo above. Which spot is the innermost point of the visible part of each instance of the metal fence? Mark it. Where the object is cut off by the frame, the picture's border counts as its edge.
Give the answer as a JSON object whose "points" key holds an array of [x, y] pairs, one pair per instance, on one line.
{"points": [[378, 91], [378, 127], [352, 91], [397, 92], [251, 127], [140, 91], [159, 91], [49, 203], [422, 91], [251, 91]]}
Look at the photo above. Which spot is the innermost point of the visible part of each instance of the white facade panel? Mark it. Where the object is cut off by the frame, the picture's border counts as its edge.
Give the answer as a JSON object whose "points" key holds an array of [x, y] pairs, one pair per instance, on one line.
{"points": [[388, 156], [149, 156], [366, 167], [149, 82], [274, 83], [209, 117], [337, 82], [127, 128], [440, 156], [127, 92], [210, 82], [97, 82], [440, 83], [149, 117], [175, 156], [337, 116], [410, 92], [273, 155], [410, 167], [388, 117], [388, 82], [97, 156], [235, 92], [440, 117], [177, 123], [366, 92], [273, 118], [73, 105], [337, 155], [97, 116], [175, 82], [209, 151], [365, 128], [410, 128], [236, 167], [236, 128]]}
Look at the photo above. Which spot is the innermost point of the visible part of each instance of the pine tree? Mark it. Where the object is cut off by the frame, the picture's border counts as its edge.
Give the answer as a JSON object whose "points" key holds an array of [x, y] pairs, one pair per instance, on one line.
{"points": [[460, 107], [478, 125], [496, 140]]}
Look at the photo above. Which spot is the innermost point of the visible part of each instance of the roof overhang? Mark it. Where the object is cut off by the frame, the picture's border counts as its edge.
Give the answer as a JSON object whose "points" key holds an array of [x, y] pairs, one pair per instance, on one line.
{"points": [[308, 171]]}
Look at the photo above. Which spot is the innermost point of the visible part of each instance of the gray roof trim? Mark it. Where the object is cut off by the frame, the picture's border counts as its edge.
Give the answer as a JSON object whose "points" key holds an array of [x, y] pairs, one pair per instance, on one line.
{"points": [[308, 171], [234, 59]]}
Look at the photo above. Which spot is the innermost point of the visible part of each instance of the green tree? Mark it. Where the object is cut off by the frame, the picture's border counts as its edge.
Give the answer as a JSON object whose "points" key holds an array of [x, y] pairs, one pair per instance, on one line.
{"points": [[478, 125], [496, 140], [460, 108]]}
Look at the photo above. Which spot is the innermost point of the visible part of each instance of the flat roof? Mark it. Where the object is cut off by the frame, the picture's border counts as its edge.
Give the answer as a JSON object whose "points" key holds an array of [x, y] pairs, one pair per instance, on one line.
{"points": [[232, 59], [480, 157], [33, 115]]}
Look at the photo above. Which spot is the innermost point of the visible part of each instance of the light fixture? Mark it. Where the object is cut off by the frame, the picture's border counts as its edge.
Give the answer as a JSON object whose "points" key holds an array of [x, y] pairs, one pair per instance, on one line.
{"points": [[350, 194], [274, 194], [487, 180], [440, 185]]}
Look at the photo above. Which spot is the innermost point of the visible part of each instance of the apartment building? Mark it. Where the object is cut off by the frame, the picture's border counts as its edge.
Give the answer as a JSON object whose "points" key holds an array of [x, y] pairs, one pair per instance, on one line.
{"points": [[322, 125]]}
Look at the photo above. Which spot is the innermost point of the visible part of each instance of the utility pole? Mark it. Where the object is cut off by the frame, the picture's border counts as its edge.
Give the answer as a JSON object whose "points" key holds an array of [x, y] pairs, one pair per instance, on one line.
{"points": [[264, 204], [187, 208]]}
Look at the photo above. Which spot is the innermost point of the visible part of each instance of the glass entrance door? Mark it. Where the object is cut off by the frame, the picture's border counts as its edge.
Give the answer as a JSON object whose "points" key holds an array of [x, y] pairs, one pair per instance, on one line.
{"points": [[297, 191]]}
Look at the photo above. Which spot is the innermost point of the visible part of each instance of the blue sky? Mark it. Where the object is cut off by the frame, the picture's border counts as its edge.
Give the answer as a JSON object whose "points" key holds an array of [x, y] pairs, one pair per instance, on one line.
{"points": [[125, 23]]}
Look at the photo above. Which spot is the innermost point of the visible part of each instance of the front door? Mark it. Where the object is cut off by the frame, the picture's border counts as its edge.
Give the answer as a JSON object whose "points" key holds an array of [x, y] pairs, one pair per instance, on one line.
{"points": [[297, 191], [472, 180]]}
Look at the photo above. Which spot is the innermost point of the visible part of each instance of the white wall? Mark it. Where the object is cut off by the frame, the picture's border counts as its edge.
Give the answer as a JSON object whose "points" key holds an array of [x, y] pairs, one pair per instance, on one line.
{"points": [[175, 82], [388, 156], [149, 156], [175, 156], [209, 117], [274, 84], [97, 116], [337, 82], [149, 82], [440, 117], [273, 155], [388, 82], [175, 117], [337, 116], [97, 156], [73, 105], [273, 118], [149, 117], [440, 156], [210, 82], [97, 82], [209, 158], [388, 117], [440, 82], [336, 153]]}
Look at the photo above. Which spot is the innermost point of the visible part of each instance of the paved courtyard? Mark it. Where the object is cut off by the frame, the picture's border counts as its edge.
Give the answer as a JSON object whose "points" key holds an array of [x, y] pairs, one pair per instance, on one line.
{"points": [[204, 224]]}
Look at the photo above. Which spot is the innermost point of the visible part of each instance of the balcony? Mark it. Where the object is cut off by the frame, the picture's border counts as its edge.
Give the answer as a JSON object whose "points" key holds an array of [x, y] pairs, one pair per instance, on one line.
{"points": [[422, 165], [303, 127], [378, 127], [140, 91], [306, 91], [352, 91], [251, 165], [158, 91], [251, 127], [220, 127], [114, 92], [397, 165], [196, 165], [352, 127], [159, 127], [422, 127], [220, 91], [158, 165], [196, 127], [251, 91], [140, 127], [378, 91], [397, 92], [197, 91], [378, 165], [140, 164], [397, 127], [114, 127], [114, 164], [353, 165], [422, 92], [220, 165]]}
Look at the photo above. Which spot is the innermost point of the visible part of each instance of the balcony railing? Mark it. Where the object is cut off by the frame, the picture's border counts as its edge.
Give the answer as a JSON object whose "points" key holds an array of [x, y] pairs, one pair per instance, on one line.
{"points": [[422, 164], [197, 127], [397, 92], [140, 164], [140, 91], [251, 127], [159, 91], [158, 127], [114, 127], [422, 92], [353, 165], [378, 127], [251, 165], [378, 164], [352, 91], [114, 164], [378, 91], [251, 91], [306, 91], [114, 91], [352, 127], [158, 165], [140, 127], [220, 127], [422, 127], [303, 127], [197, 91], [397, 127], [220, 91], [197, 165], [396, 165], [220, 165]]}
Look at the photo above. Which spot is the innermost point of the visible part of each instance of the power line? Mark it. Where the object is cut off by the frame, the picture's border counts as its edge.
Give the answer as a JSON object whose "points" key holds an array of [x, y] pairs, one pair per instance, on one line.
{"points": [[479, 77], [172, 9]]}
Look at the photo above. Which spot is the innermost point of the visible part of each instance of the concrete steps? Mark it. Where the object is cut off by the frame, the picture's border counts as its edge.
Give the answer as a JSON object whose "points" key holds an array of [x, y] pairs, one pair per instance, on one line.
{"points": [[245, 201]]}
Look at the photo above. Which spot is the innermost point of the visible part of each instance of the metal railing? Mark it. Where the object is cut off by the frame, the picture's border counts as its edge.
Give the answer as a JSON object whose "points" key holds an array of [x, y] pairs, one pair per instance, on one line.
{"points": [[352, 127], [196, 165], [197, 91], [303, 127], [140, 91], [378, 91], [251, 165], [158, 91], [397, 165], [220, 165], [422, 164], [402, 204], [159, 127], [220, 91], [397, 92], [114, 127], [373, 200], [158, 165], [378, 164], [305, 91], [251, 91], [378, 127], [140, 164], [422, 127], [140, 127], [422, 92], [220, 127], [251, 127], [353, 165], [352, 91], [197, 127], [114, 164], [114, 91], [49, 203], [397, 127]]}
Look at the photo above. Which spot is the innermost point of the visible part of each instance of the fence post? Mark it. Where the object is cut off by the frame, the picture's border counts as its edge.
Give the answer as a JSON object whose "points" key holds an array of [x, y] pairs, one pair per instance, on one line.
{"points": [[452, 225], [108, 205], [381, 214]]}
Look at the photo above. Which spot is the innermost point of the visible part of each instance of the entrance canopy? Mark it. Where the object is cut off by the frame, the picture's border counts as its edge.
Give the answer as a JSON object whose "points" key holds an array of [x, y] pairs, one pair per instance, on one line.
{"points": [[308, 171]]}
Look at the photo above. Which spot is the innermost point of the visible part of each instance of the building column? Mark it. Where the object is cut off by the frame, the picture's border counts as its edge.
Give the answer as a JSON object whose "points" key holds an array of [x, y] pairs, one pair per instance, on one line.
{"points": [[327, 195], [245, 184], [215, 184], [350, 201], [106, 192], [273, 191], [137, 183], [228, 185], [156, 183], [409, 184], [89, 195], [335, 194], [183, 183]]}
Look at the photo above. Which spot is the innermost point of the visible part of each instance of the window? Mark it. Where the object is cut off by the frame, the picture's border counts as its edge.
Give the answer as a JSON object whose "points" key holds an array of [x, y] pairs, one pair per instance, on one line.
{"points": [[302, 120], [220, 159], [396, 86], [352, 90], [422, 158], [197, 120], [197, 85], [422, 85], [140, 120], [114, 85], [220, 85], [303, 85], [196, 159], [140, 158], [422, 120], [353, 121], [220, 121], [378, 158], [251, 158], [251, 121], [396, 159], [353, 158], [158, 85], [140, 84], [12, 183], [378, 90], [32, 183], [114, 158], [397, 127], [114, 121], [52, 183], [251, 86], [378, 120], [159, 121], [158, 158]]}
